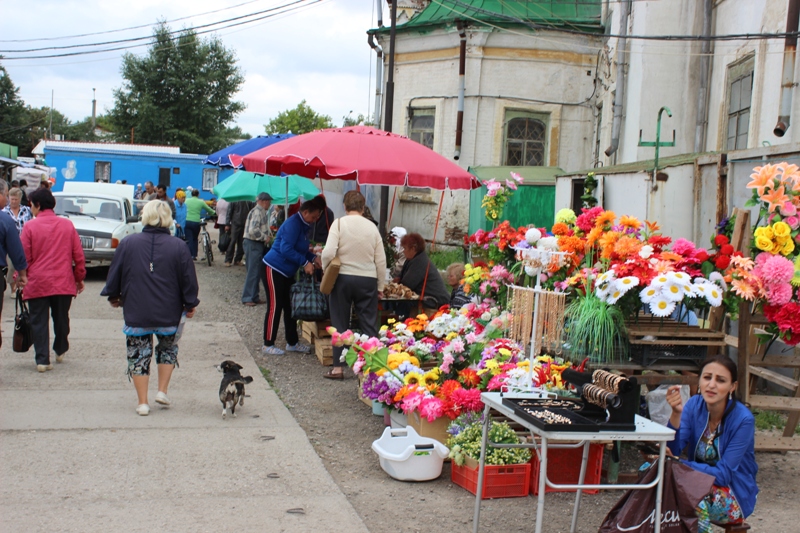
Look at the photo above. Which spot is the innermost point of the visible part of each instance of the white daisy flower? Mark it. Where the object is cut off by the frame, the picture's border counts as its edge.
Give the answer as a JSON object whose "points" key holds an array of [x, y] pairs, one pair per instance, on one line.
{"points": [[602, 291], [688, 290], [647, 294], [679, 277], [673, 292], [717, 278], [627, 283], [660, 280], [662, 307], [714, 295], [614, 295]]}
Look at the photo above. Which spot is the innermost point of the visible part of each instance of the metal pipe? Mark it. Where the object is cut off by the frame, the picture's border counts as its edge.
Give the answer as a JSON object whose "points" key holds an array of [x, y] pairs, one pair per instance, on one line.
{"points": [[379, 6], [389, 111], [787, 81], [462, 68], [619, 96], [378, 79], [702, 92]]}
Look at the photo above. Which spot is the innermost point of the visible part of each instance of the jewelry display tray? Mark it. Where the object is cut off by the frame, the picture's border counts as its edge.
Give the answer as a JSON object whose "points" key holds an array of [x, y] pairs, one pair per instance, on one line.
{"points": [[524, 407]]}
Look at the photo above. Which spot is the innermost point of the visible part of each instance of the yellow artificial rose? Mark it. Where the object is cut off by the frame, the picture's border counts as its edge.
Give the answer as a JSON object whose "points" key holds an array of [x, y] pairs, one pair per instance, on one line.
{"points": [[764, 232], [781, 230], [776, 248], [763, 243], [788, 247]]}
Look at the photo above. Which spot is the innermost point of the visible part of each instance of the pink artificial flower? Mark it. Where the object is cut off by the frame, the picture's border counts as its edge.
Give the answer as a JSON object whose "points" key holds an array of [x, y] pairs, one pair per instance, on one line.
{"points": [[517, 177], [493, 187], [496, 383], [762, 258], [793, 221], [411, 402], [447, 360], [777, 270], [472, 338], [467, 399], [511, 185], [779, 294], [788, 209], [431, 408], [683, 247], [771, 217], [456, 345]]}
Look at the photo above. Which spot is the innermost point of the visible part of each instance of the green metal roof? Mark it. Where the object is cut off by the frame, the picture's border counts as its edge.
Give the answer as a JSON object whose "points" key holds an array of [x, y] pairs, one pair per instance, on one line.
{"points": [[530, 175], [640, 166], [573, 14]]}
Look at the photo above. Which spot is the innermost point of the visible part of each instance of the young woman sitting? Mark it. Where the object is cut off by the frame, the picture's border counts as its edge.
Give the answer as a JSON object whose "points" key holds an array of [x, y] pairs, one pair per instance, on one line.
{"points": [[718, 434]]}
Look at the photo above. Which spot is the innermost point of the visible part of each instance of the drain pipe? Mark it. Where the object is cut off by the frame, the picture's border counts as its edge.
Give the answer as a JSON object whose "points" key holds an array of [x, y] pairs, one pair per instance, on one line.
{"points": [[378, 78], [622, 43], [462, 68], [787, 82], [379, 6], [702, 94]]}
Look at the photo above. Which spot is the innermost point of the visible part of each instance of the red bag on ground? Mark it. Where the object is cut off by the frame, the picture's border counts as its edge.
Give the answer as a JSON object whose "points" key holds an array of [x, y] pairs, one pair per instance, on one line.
{"points": [[684, 489]]}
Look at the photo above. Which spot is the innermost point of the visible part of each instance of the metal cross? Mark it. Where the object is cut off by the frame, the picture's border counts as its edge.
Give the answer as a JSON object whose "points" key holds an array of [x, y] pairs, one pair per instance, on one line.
{"points": [[658, 143]]}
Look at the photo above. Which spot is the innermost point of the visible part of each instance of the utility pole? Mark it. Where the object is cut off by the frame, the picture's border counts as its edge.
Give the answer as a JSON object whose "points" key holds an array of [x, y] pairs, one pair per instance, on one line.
{"points": [[52, 97], [388, 112], [94, 108]]}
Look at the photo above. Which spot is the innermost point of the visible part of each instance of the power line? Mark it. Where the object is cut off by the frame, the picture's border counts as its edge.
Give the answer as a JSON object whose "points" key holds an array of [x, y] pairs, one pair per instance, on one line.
{"points": [[124, 29], [292, 6]]}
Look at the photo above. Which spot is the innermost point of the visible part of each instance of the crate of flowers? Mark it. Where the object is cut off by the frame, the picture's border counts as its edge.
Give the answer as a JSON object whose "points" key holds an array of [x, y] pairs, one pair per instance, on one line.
{"points": [[507, 470]]}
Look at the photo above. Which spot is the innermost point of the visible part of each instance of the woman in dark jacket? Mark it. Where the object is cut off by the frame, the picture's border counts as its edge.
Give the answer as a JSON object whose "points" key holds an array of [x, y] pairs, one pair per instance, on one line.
{"points": [[420, 275], [152, 278], [718, 433]]}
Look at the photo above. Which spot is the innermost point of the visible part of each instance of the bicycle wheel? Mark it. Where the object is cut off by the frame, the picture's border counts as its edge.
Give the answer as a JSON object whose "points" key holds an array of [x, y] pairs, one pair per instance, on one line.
{"points": [[207, 248]]}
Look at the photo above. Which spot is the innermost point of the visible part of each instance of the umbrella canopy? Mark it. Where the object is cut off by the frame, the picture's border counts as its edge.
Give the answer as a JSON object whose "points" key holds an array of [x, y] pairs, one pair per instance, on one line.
{"points": [[222, 158], [246, 186], [368, 155]]}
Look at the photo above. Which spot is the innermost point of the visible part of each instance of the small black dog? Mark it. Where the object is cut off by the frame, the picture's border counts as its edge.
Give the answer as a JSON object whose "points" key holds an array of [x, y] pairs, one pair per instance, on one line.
{"points": [[231, 390]]}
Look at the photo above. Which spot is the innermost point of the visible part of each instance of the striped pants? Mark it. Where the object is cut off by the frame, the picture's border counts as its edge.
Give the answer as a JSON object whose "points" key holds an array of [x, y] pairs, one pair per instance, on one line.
{"points": [[279, 301]]}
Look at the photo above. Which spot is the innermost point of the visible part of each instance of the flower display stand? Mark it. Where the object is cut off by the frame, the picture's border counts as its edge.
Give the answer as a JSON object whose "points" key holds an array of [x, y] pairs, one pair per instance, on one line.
{"points": [[506, 481], [654, 340], [564, 468], [435, 430]]}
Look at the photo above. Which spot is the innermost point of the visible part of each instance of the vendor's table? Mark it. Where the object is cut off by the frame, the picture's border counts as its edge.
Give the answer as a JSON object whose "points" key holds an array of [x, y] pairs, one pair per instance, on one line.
{"points": [[389, 307], [646, 430]]}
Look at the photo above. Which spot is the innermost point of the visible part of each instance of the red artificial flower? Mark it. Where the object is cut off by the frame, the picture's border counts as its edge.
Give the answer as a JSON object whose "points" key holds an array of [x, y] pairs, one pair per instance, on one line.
{"points": [[721, 240], [658, 242], [701, 256], [469, 377], [447, 388], [722, 262], [726, 249]]}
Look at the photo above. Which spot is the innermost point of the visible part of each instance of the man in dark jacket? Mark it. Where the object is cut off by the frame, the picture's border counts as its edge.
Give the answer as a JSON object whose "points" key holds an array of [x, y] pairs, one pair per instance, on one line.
{"points": [[237, 217]]}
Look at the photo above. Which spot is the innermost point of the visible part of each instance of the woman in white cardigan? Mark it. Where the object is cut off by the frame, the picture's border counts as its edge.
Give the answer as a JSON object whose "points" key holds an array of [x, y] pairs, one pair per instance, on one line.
{"points": [[359, 246]]}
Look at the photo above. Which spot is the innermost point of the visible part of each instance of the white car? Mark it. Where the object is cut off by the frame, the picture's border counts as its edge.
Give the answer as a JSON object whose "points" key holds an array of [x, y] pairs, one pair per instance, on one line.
{"points": [[103, 214]]}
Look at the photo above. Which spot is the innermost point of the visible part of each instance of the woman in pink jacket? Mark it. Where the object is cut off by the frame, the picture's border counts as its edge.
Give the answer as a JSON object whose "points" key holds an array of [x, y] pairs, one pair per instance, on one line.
{"points": [[56, 270]]}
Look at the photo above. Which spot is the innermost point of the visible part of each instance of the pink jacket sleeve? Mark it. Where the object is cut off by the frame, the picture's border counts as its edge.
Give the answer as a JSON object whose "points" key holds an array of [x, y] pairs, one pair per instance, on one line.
{"points": [[79, 270]]}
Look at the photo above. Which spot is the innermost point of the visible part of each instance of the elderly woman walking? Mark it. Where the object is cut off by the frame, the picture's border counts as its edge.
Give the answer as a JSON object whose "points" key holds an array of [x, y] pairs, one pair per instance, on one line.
{"points": [[20, 214], [56, 270], [152, 278], [355, 240]]}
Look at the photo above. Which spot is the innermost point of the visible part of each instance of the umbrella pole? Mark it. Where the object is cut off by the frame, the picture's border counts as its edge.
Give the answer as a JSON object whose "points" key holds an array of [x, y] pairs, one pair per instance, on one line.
{"points": [[436, 226]]}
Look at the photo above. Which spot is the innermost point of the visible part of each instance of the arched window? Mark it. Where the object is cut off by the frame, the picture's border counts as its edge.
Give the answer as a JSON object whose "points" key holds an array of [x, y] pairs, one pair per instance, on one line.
{"points": [[525, 142]]}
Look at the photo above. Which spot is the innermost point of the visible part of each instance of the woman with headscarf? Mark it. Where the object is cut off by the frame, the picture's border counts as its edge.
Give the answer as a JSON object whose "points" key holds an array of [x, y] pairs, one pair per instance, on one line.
{"points": [[152, 278], [420, 274], [56, 270]]}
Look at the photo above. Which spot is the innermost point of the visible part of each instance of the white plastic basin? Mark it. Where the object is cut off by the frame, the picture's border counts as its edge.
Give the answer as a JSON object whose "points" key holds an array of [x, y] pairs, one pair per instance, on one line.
{"points": [[406, 456]]}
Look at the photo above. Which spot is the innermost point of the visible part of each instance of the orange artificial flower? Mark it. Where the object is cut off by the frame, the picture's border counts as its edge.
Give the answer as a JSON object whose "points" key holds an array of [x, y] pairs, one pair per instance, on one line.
{"points": [[560, 229], [607, 242], [469, 377], [571, 244], [630, 222], [671, 256], [627, 247], [593, 236], [401, 393], [762, 178], [606, 217], [652, 227], [775, 198]]}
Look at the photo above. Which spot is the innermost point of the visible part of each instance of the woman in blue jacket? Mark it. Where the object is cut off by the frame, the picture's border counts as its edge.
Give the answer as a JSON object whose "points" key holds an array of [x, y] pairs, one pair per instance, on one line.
{"points": [[288, 254], [718, 433]]}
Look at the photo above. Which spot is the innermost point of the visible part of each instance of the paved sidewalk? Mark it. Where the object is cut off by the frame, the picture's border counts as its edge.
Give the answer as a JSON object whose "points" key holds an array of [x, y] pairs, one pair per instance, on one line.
{"points": [[74, 456]]}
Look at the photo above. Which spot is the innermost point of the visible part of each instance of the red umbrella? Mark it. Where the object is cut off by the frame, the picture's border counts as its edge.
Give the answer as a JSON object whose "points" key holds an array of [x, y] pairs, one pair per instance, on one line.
{"points": [[368, 155]]}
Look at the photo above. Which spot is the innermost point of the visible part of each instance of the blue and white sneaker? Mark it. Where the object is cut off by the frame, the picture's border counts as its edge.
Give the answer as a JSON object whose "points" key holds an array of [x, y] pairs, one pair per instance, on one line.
{"points": [[299, 348]]}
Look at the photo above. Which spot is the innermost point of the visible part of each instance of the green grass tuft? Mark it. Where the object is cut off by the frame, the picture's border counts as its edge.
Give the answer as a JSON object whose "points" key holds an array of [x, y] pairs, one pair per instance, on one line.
{"points": [[595, 329], [443, 258]]}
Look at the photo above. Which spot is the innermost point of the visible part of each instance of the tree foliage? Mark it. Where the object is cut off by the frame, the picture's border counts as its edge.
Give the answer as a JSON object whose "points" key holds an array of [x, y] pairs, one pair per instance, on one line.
{"points": [[360, 119], [180, 93], [301, 119], [13, 125]]}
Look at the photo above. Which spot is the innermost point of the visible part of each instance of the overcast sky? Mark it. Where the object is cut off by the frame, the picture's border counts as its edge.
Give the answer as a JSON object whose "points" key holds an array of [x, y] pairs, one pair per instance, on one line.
{"points": [[318, 53]]}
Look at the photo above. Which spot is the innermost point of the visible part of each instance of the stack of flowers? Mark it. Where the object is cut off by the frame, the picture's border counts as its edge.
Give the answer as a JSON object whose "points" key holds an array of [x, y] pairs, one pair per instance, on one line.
{"points": [[497, 245], [488, 283]]}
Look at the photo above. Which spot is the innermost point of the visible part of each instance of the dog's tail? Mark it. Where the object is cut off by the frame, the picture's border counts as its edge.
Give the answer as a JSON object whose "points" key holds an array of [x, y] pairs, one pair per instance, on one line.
{"points": [[247, 379]]}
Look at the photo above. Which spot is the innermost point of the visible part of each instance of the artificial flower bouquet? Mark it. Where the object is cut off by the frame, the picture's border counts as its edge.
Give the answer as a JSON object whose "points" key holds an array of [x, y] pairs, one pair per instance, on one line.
{"points": [[497, 195], [488, 283], [496, 246]]}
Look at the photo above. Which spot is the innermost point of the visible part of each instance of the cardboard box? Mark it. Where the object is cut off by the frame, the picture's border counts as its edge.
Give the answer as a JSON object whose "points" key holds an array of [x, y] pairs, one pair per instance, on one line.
{"points": [[435, 430]]}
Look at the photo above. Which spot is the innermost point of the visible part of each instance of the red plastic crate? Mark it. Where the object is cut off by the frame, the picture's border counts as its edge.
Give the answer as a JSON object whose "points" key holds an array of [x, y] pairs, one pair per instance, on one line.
{"points": [[508, 481], [564, 467]]}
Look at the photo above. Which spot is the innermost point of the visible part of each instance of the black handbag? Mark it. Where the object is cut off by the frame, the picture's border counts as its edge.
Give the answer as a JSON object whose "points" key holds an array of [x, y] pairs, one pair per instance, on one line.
{"points": [[308, 303], [224, 241], [23, 331]]}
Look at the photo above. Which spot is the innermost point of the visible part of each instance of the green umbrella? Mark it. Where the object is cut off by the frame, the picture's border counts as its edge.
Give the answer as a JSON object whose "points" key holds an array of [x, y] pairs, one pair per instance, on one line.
{"points": [[244, 185]]}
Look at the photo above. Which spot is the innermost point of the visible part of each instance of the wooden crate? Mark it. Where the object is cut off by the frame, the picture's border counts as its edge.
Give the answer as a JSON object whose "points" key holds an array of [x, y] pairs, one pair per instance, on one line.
{"points": [[660, 340], [318, 329], [324, 351], [307, 337]]}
